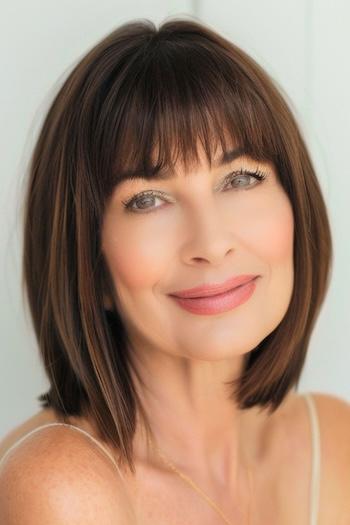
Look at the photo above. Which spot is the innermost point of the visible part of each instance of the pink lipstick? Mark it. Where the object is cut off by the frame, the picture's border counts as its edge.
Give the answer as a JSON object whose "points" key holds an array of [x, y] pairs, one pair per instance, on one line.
{"points": [[216, 298]]}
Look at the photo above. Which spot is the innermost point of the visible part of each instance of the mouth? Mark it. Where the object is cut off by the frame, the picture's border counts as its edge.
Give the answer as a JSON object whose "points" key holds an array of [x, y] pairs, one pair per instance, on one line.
{"points": [[214, 289], [219, 302]]}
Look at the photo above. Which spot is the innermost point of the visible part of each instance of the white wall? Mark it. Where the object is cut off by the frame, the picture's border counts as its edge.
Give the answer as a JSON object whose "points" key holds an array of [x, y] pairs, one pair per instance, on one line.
{"points": [[305, 45], [305, 48]]}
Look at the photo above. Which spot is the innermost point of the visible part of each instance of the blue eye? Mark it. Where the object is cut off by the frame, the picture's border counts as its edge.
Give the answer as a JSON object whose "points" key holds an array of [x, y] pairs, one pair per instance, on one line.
{"points": [[141, 199], [149, 195], [244, 174]]}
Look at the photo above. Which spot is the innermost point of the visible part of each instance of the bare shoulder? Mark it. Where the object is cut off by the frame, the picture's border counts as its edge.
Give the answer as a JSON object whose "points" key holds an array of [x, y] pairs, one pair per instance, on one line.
{"points": [[333, 413], [334, 420], [57, 476], [333, 406]]}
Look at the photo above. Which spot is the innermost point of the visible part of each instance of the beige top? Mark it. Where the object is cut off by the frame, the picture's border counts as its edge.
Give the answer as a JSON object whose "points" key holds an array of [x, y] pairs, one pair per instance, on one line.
{"points": [[315, 436]]}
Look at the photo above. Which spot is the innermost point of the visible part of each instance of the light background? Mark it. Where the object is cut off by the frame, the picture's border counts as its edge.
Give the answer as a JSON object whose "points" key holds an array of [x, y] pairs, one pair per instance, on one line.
{"points": [[303, 44]]}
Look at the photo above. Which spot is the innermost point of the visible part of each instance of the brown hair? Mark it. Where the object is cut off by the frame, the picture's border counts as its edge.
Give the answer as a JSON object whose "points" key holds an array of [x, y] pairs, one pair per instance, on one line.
{"points": [[137, 89]]}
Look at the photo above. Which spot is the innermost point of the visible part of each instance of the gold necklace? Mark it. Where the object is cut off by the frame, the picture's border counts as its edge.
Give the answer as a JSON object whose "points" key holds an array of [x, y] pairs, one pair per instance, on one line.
{"points": [[197, 489]]}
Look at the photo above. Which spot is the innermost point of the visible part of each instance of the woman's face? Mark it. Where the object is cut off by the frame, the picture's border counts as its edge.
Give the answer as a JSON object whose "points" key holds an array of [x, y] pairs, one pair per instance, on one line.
{"points": [[201, 227]]}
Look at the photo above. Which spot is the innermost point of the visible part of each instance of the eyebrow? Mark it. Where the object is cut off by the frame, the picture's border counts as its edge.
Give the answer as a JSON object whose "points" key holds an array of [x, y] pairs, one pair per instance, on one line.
{"points": [[225, 158]]}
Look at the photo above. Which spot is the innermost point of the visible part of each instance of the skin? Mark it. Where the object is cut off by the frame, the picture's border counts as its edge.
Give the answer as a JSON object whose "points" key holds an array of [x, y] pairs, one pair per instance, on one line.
{"points": [[200, 231], [202, 433]]}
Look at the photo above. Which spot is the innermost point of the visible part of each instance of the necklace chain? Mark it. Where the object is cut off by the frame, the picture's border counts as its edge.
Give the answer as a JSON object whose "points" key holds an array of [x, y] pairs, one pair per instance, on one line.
{"points": [[200, 491]]}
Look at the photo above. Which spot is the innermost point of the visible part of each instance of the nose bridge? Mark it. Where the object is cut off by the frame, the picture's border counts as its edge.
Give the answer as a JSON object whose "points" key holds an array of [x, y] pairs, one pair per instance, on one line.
{"points": [[209, 232], [209, 214], [207, 218]]}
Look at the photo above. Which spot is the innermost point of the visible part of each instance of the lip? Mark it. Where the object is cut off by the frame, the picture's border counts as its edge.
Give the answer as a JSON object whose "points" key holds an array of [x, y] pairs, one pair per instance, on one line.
{"points": [[213, 289], [219, 303]]}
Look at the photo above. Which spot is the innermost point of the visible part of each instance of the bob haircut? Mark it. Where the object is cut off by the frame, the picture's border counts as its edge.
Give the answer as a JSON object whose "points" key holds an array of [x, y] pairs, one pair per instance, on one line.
{"points": [[138, 90]]}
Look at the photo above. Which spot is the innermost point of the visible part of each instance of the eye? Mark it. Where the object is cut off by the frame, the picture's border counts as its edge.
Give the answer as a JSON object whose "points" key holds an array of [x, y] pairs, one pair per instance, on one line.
{"points": [[244, 174], [148, 196], [142, 198]]}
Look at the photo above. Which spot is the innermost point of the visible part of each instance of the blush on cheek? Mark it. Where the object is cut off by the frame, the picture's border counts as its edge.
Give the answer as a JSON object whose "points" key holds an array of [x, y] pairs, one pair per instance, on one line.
{"points": [[135, 264], [127, 268], [282, 239], [271, 229], [280, 245], [127, 253]]}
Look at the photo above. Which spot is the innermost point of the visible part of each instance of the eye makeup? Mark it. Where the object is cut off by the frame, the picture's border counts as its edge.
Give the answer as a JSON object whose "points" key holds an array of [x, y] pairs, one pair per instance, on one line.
{"points": [[258, 176]]}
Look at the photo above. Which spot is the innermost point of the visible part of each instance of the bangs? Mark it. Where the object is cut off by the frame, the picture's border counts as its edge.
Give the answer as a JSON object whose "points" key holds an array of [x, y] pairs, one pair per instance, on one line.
{"points": [[139, 102], [174, 96]]}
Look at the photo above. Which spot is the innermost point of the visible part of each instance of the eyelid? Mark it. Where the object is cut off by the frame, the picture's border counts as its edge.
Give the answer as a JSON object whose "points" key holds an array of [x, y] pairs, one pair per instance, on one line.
{"points": [[259, 174]]}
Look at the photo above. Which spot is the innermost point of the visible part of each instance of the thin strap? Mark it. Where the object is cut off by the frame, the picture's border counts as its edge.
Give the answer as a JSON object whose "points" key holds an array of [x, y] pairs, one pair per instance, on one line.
{"points": [[66, 425], [130, 509], [315, 474]]}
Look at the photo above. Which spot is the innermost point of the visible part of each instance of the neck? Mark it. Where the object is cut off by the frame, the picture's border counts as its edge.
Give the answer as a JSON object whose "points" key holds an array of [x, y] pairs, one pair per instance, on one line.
{"points": [[194, 421]]}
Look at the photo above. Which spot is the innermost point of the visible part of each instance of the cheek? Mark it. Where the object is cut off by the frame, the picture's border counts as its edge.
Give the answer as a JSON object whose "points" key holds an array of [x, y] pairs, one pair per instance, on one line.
{"points": [[270, 228], [136, 255], [272, 238]]}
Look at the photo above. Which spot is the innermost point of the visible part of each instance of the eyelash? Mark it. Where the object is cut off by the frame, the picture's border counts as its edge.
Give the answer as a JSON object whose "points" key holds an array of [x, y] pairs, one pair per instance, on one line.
{"points": [[259, 175]]}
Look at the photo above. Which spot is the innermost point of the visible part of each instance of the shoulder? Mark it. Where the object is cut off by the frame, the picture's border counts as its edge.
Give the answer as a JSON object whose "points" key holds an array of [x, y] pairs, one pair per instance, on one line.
{"points": [[334, 423], [333, 406], [333, 416], [56, 475], [332, 411]]}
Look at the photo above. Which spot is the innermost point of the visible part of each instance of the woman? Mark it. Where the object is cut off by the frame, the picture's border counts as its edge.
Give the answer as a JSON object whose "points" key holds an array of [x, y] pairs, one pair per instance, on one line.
{"points": [[177, 252]]}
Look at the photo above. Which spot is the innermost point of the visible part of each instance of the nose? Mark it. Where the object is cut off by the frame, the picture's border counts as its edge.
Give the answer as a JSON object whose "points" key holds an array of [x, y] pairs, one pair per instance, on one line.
{"points": [[210, 237]]}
